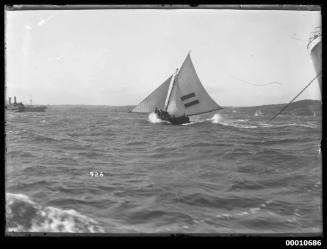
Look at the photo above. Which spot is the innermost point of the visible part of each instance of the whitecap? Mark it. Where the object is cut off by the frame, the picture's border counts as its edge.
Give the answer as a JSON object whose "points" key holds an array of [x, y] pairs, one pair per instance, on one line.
{"points": [[216, 119], [24, 215], [254, 210], [153, 118]]}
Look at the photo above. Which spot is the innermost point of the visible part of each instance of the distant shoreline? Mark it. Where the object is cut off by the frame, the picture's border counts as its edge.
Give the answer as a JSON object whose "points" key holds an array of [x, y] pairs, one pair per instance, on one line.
{"points": [[309, 101]]}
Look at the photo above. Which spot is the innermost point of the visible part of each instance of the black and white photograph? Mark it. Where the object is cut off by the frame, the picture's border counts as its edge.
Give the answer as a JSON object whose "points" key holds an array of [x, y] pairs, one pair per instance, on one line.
{"points": [[163, 120]]}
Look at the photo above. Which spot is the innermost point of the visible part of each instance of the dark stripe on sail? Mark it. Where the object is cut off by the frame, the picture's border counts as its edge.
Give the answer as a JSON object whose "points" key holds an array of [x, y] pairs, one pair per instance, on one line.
{"points": [[187, 96], [191, 103]]}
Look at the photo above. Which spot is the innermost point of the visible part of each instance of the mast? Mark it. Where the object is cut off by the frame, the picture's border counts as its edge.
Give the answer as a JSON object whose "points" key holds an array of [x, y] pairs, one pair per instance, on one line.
{"points": [[170, 90]]}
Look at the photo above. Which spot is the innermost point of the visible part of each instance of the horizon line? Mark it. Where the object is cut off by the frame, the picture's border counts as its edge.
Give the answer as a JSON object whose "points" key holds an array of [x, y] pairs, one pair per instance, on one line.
{"points": [[227, 106]]}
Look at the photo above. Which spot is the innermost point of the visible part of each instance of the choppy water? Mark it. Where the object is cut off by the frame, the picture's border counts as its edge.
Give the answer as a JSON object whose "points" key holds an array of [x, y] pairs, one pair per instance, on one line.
{"points": [[225, 173]]}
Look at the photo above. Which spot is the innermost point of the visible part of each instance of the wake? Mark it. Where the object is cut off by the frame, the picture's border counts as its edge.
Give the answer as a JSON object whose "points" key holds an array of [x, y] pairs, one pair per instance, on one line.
{"points": [[236, 123], [247, 124]]}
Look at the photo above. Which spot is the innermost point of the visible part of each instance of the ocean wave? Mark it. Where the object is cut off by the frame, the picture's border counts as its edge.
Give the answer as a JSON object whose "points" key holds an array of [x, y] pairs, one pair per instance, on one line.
{"points": [[250, 211], [205, 144], [20, 153], [24, 215], [43, 138], [90, 154], [157, 216], [130, 143], [96, 203], [49, 139], [282, 141], [30, 185], [245, 185], [219, 202]]}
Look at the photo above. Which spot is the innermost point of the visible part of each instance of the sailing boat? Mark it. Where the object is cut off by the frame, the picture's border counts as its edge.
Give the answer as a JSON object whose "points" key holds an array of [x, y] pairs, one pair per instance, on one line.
{"points": [[258, 113], [180, 96]]}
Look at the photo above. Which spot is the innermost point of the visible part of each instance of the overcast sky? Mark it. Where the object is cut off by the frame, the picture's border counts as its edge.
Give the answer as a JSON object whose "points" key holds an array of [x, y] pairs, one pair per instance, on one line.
{"points": [[117, 57]]}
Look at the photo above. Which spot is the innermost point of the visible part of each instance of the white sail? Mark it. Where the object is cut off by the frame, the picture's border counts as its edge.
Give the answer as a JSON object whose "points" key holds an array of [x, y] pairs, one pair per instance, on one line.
{"points": [[170, 90], [189, 96], [155, 99], [176, 106]]}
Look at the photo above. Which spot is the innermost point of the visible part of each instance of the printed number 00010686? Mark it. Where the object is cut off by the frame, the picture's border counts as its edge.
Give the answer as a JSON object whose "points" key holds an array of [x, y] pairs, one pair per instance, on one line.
{"points": [[303, 242]]}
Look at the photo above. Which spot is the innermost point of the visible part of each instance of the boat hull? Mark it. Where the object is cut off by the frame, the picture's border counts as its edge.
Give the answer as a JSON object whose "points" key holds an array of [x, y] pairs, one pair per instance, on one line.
{"points": [[15, 108], [179, 121], [173, 120]]}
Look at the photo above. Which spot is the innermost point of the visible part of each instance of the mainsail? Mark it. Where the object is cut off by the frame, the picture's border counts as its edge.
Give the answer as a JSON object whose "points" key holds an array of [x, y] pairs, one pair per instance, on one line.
{"points": [[155, 99], [188, 95]]}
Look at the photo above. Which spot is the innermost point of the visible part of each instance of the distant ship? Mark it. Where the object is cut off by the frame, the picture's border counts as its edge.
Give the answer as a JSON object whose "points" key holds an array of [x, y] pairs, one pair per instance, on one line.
{"points": [[258, 113], [180, 96], [314, 48], [20, 107]]}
